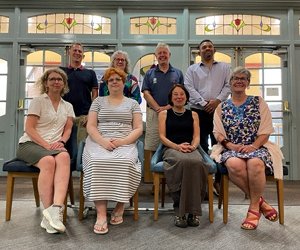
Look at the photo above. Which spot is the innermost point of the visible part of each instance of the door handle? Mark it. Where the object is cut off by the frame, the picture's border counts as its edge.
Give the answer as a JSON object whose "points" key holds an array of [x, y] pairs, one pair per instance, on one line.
{"points": [[286, 107], [21, 104]]}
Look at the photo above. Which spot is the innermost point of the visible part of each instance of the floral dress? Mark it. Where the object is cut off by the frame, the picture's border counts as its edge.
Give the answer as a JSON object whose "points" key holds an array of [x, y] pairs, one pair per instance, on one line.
{"points": [[241, 125]]}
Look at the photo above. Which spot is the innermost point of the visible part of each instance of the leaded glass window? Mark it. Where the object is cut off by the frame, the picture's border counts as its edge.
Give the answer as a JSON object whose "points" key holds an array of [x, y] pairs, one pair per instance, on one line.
{"points": [[69, 23], [4, 24], [237, 24], [153, 25]]}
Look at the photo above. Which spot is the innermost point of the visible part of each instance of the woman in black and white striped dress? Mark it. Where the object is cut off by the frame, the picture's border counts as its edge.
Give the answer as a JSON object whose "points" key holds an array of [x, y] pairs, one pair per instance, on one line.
{"points": [[111, 167]]}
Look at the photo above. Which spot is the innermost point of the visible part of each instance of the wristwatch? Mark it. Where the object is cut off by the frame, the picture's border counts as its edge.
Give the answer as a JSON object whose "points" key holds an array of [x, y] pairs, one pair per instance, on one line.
{"points": [[223, 142]]}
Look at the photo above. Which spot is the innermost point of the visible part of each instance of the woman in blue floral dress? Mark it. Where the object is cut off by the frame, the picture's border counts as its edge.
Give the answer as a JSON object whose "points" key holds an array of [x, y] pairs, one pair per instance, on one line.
{"points": [[242, 126]]}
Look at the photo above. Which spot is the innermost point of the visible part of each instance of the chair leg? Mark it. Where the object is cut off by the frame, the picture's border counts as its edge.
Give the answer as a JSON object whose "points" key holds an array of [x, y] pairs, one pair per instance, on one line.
{"points": [[279, 184], [36, 191], [65, 210], [163, 191], [156, 195], [210, 197], [136, 204], [225, 198], [71, 190], [81, 198], [9, 195], [221, 194]]}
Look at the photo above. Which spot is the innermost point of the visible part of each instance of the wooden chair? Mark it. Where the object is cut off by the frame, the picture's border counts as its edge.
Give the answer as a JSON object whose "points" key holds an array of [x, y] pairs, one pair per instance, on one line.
{"points": [[140, 146], [18, 169], [157, 168], [223, 197]]}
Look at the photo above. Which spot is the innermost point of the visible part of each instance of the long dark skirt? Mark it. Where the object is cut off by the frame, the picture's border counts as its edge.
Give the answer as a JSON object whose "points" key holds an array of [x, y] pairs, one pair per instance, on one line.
{"points": [[186, 177]]}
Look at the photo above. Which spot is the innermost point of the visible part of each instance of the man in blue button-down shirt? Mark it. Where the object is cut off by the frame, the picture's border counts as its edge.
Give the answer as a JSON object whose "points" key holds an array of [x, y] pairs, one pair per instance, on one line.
{"points": [[208, 85]]}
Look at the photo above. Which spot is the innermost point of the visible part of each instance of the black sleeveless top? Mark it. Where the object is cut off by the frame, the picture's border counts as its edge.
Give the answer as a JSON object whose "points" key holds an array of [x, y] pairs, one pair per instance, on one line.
{"points": [[179, 129]]}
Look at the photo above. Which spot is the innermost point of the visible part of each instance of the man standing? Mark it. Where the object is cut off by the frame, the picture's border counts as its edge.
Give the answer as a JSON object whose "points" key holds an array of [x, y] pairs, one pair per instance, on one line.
{"points": [[208, 85], [83, 87], [156, 86]]}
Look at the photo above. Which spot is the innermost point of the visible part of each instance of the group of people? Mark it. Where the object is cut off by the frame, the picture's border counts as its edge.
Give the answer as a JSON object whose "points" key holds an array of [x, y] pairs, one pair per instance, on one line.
{"points": [[111, 124]]}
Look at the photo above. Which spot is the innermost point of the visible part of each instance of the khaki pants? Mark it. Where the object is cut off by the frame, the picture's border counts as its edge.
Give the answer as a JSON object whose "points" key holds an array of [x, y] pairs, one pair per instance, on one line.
{"points": [[81, 129]]}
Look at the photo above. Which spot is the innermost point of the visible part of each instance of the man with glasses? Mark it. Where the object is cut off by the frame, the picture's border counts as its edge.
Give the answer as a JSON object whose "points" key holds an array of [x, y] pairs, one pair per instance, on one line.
{"points": [[83, 86], [208, 85], [156, 85]]}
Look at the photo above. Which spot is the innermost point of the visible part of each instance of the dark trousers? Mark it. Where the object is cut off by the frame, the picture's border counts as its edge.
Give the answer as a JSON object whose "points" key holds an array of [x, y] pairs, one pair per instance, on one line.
{"points": [[206, 130]]}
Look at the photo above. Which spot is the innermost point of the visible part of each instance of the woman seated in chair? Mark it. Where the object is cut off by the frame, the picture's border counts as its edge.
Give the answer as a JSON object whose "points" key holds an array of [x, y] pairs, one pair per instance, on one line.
{"points": [[47, 129], [185, 171], [242, 126], [111, 167]]}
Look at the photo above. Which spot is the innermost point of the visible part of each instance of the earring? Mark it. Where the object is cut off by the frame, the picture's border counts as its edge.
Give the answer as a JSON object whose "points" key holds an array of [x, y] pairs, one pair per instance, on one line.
{"points": [[248, 87]]}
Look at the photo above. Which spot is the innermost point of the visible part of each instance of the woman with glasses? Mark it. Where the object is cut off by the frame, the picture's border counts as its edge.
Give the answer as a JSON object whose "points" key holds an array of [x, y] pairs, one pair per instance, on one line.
{"points": [[111, 167], [120, 60], [47, 129], [242, 126]]}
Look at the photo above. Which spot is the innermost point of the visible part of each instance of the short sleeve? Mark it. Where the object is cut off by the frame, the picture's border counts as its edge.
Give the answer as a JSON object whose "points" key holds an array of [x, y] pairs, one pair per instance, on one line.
{"points": [[96, 104], [35, 107], [136, 107]]}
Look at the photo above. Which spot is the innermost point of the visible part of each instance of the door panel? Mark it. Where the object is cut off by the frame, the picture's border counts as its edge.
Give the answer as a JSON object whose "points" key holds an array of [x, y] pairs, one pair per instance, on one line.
{"points": [[6, 109]]}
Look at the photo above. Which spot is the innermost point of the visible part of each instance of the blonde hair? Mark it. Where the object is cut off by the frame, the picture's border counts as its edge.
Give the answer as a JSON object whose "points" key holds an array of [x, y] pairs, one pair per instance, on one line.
{"points": [[41, 82]]}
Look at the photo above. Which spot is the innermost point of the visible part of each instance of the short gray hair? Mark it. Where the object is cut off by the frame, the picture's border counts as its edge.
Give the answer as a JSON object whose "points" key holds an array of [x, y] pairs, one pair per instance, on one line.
{"points": [[240, 70], [162, 45], [114, 55]]}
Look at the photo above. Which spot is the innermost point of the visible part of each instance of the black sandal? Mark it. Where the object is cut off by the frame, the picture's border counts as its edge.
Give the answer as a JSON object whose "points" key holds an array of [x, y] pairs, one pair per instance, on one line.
{"points": [[193, 220], [180, 221]]}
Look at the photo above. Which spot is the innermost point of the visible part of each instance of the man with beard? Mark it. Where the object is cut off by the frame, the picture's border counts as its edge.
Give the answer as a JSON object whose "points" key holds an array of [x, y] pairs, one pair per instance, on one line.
{"points": [[156, 85], [208, 85]]}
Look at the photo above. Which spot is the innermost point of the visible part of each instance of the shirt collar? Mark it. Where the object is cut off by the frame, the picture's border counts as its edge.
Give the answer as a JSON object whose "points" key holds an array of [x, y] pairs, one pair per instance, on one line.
{"points": [[202, 64], [81, 67]]}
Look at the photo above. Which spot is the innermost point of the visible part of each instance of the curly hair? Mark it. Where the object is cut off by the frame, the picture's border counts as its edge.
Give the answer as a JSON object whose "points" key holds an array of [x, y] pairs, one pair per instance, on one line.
{"points": [[40, 83], [114, 55], [111, 71]]}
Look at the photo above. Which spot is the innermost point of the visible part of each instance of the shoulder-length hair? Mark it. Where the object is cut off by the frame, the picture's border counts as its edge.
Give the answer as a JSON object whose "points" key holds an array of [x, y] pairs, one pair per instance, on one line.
{"points": [[114, 55], [41, 82], [171, 92]]}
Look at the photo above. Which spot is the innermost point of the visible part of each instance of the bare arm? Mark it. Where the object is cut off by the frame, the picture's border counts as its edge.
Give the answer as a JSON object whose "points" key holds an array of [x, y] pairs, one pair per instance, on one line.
{"points": [[32, 133], [152, 103]]}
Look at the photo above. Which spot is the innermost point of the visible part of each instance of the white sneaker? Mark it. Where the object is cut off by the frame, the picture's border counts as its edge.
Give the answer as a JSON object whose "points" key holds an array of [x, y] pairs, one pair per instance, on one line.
{"points": [[54, 214], [45, 225]]}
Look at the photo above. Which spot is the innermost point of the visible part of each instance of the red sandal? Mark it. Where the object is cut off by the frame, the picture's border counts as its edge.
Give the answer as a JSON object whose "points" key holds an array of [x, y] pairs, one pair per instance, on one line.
{"points": [[248, 220], [268, 213]]}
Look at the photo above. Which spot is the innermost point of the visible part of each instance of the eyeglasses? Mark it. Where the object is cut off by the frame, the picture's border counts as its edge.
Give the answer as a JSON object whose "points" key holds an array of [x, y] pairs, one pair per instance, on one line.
{"points": [[114, 79], [119, 60], [53, 79], [242, 79]]}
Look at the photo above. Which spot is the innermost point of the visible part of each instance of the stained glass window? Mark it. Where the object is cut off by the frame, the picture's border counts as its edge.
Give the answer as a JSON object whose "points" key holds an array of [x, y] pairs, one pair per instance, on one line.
{"points": [[153, 25], [69, 23], [4, 24], [237, 24]]}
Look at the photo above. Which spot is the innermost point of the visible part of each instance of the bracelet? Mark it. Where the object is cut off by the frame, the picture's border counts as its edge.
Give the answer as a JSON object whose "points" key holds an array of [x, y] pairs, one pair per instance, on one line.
{"points": [[253, 147], [62, 143], [194, 148]]}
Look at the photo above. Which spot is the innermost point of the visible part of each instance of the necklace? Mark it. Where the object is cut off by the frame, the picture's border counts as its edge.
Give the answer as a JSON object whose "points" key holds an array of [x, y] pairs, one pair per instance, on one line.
{"points": [[177, 113]]}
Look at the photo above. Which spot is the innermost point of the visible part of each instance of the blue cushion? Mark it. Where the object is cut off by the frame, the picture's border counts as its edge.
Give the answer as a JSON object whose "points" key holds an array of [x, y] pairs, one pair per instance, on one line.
{"points": [[157, 168], [16, 165]]}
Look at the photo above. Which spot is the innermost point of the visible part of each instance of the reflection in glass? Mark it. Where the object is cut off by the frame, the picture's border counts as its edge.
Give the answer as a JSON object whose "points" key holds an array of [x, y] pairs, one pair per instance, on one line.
{"points": [[2, 108], [271, 60], [253, 61], [272, 76], [3, 66], [35, 58], [3, 87]]}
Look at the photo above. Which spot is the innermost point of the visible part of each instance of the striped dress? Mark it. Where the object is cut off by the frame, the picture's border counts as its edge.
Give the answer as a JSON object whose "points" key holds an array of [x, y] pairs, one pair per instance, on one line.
{"points": [[111, 175]]}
